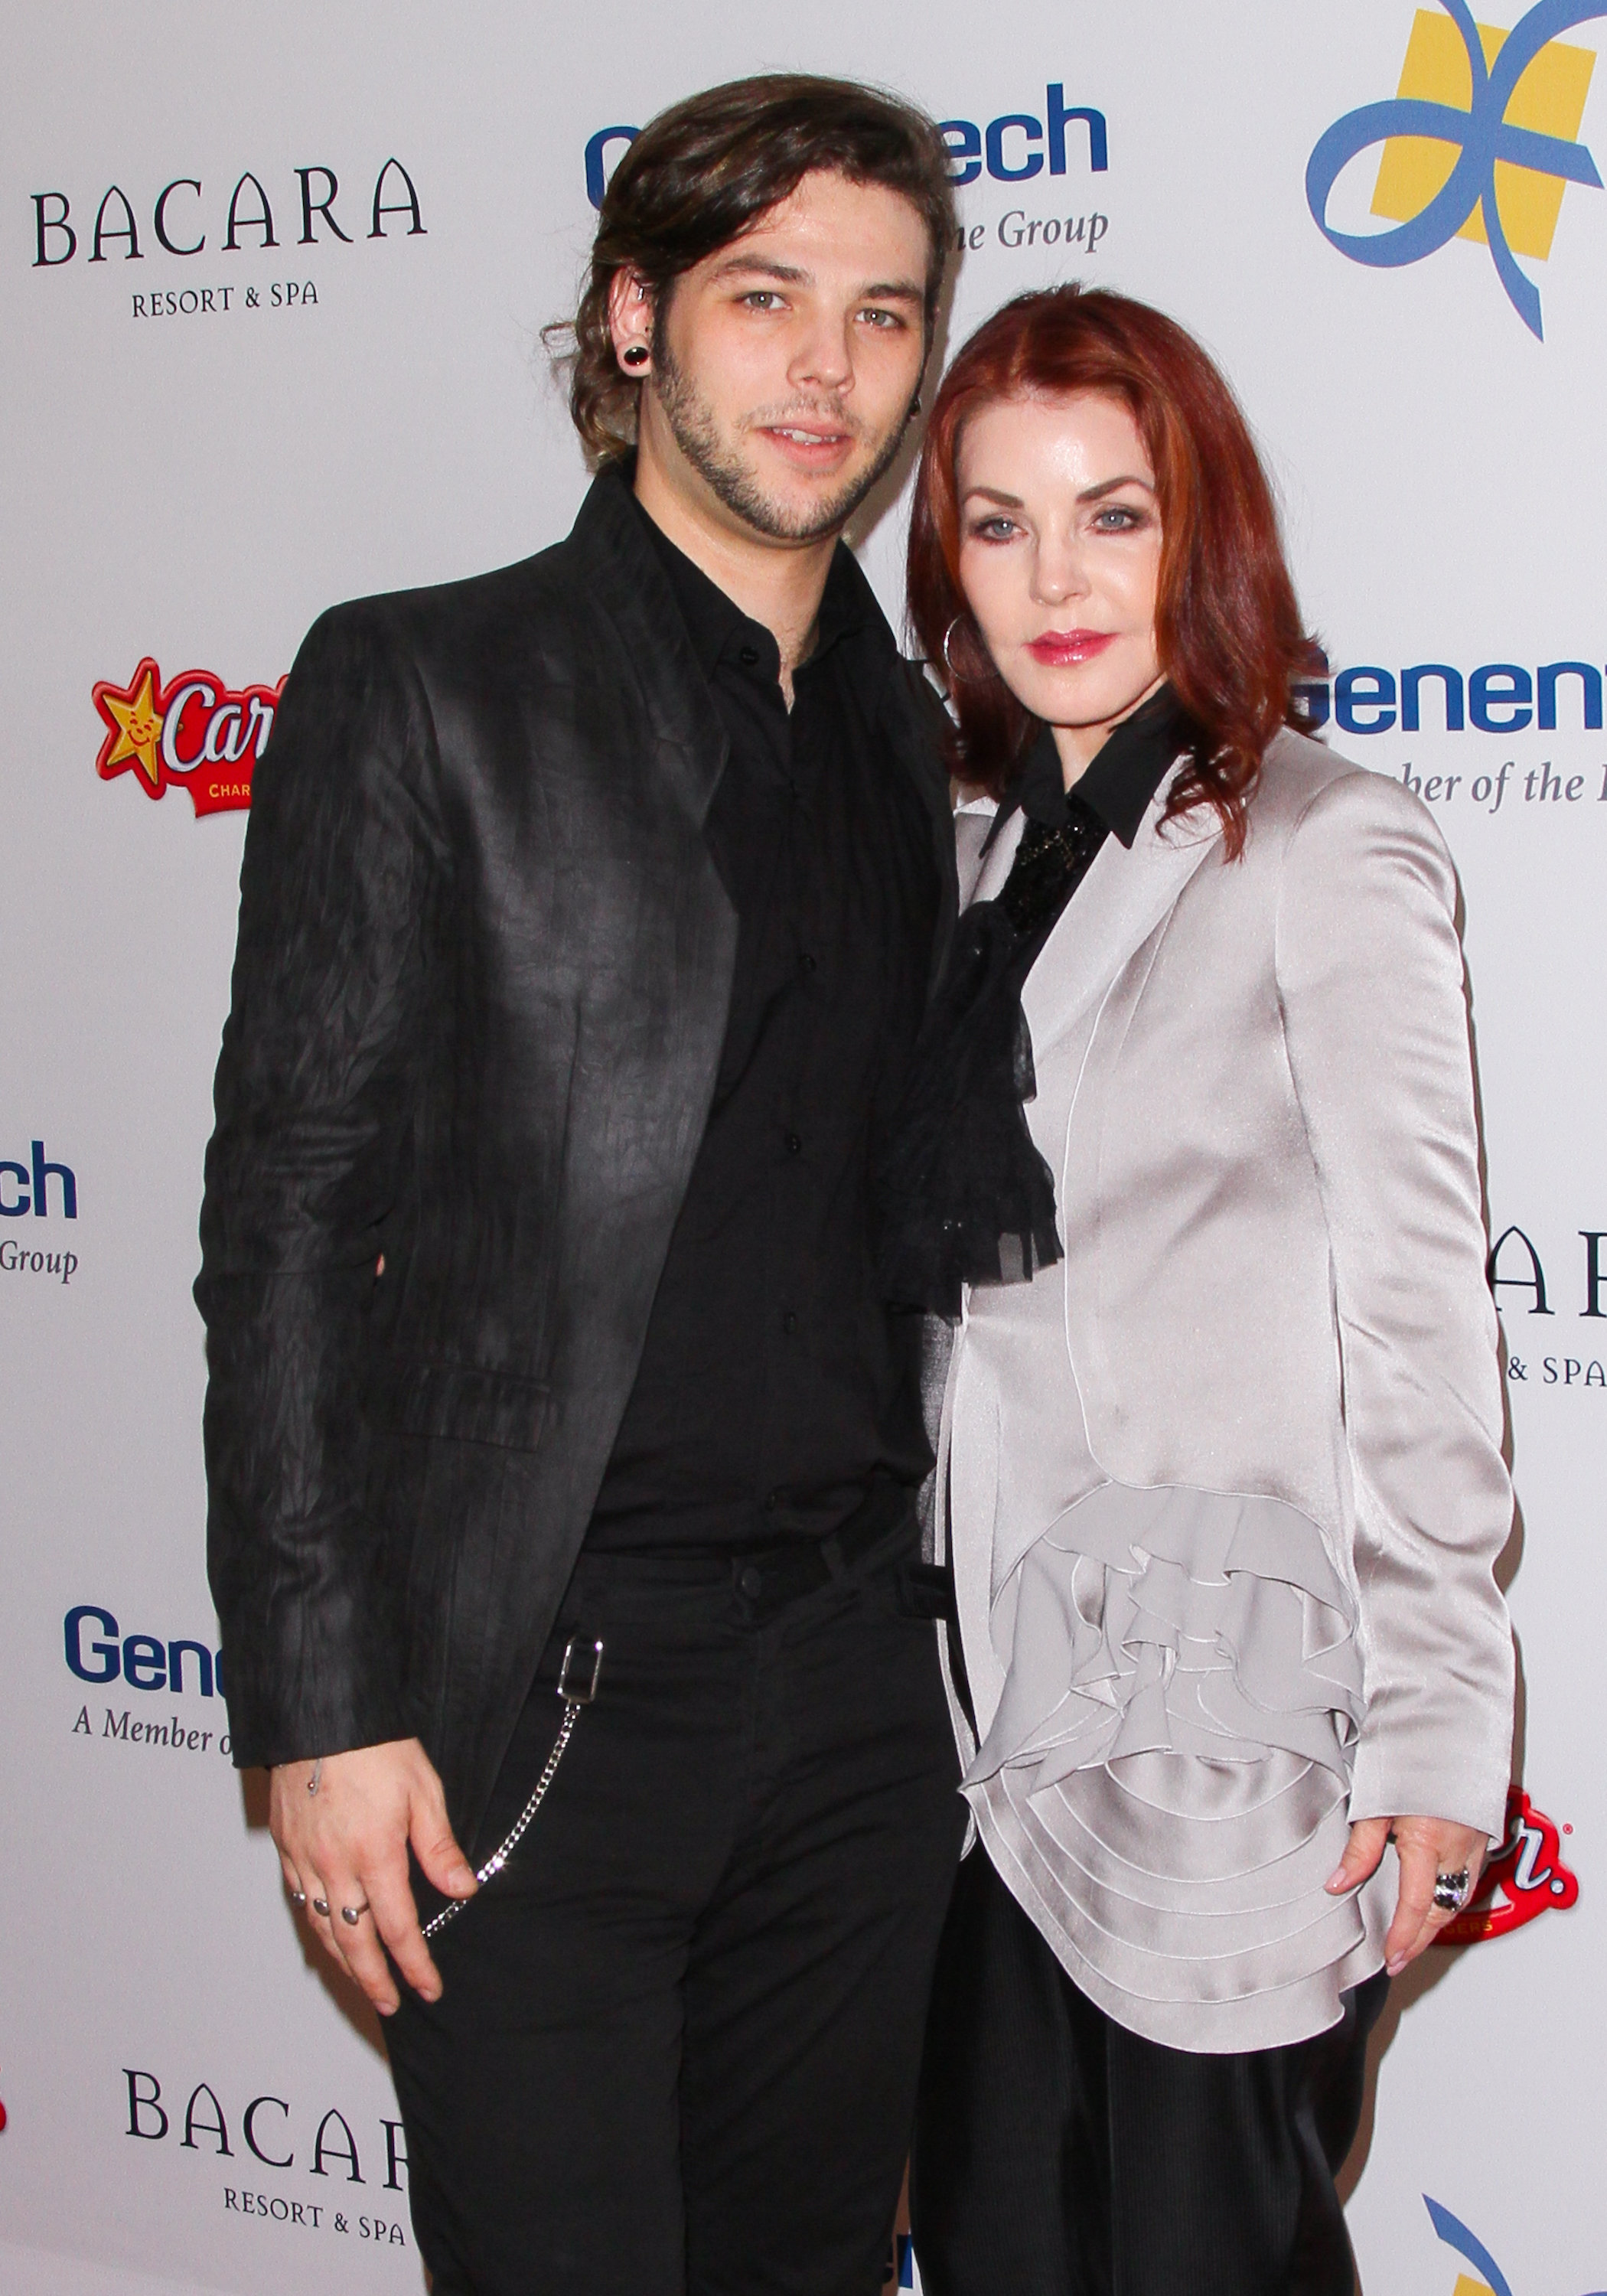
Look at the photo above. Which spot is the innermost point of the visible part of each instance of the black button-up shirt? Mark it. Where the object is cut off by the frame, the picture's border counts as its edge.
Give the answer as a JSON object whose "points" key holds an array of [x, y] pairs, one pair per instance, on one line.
{"points": [[774, 1387]]}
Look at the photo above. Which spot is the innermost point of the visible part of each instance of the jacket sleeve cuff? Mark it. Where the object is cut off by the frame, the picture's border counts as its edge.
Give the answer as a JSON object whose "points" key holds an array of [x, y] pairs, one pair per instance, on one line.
{"points": [[1391, 1780]]}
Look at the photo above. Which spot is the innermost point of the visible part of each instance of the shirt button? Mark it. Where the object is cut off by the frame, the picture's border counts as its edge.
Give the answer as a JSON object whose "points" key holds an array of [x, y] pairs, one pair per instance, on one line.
{"points": [[752, 1582], [794, 1145], [806, 963], [748, 656], [772, 1502], [789, 1321]]}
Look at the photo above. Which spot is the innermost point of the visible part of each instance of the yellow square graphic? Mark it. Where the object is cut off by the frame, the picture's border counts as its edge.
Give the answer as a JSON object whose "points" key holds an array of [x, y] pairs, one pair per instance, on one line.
{"points": [[1550, 97]]}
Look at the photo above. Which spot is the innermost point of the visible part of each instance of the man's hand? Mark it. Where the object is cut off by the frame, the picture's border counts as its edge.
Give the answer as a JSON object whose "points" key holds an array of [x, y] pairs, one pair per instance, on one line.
{"points": [[346, 1845], [1426, 1847]]}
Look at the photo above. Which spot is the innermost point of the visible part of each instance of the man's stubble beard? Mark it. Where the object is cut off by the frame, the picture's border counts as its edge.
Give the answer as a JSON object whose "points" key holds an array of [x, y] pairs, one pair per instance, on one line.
{"points": [[695, 431]]}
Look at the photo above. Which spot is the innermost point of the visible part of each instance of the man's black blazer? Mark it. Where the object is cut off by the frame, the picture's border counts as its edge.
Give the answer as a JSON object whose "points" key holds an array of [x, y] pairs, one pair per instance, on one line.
{"points": [[479, 995]]}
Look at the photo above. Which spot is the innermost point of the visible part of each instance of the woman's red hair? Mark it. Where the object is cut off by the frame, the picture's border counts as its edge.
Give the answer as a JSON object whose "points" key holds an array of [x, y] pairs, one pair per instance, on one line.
{"points": [[1227, 627]]}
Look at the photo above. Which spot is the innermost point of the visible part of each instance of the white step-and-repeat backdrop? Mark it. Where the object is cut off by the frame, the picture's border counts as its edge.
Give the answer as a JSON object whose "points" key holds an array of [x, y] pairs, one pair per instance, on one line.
{"points": [[272, 280]]}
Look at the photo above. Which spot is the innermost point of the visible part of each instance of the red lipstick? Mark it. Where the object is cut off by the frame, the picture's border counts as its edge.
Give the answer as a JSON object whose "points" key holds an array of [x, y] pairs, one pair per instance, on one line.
{"points": [[1069, 649]]}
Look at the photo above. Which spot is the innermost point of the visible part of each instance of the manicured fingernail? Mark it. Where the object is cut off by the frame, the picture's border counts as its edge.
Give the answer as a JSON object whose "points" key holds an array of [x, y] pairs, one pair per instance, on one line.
{"points": [[1336, 1881]]}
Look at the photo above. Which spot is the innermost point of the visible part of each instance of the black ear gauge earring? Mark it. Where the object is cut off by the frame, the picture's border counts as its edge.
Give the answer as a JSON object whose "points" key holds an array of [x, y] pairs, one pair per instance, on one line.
{"points": [[636, 355]]}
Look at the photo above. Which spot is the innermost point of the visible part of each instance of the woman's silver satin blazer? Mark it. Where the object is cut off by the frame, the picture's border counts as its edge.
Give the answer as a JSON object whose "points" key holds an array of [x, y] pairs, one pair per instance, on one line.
{"points": [[1271, 1206]]}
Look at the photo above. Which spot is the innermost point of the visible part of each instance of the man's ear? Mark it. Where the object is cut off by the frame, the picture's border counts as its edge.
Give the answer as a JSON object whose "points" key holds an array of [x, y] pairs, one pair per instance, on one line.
{"points": [[630, 314]]}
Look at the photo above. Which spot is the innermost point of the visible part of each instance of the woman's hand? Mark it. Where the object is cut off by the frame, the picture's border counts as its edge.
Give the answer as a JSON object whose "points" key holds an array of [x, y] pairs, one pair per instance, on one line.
{"points": [[1427, 1847]]}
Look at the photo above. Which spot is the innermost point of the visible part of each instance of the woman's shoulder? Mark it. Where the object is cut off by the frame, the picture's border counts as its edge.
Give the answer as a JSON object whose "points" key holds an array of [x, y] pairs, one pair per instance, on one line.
{"points": [[1307, 789], [1326, 836]]}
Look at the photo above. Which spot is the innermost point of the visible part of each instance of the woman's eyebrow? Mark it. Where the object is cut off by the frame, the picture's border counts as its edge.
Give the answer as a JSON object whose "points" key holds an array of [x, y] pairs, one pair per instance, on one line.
{"points": [[1109, 487]]}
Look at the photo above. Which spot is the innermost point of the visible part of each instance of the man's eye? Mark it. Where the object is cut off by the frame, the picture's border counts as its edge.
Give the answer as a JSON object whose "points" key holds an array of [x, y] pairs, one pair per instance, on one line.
{"points": [[762, 299], [888, 320]]}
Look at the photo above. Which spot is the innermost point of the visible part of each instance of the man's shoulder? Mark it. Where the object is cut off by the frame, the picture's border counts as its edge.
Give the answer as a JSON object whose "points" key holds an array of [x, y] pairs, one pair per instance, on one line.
{"points": [[472, 618]]}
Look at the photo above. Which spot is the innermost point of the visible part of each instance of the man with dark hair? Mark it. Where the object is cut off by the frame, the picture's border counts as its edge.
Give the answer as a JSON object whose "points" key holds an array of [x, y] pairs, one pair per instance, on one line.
{"points": [[563, 1455]]}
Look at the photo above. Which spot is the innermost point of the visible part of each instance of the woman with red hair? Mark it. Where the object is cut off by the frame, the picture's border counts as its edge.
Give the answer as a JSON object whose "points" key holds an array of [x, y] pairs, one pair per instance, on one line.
{"points": [[1192, 1152]]}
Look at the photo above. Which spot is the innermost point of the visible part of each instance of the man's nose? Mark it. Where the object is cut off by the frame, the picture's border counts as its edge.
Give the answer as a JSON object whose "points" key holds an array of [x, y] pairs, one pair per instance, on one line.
{"points": [[824, 357]]}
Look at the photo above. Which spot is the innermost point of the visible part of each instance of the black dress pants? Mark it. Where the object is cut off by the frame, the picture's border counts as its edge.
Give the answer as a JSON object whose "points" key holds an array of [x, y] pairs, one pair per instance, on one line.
{"points": [[677, 2048], [1058, 2154]]}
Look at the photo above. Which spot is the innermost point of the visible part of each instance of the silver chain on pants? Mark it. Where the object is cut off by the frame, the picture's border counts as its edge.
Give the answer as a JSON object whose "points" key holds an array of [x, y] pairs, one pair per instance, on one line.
{"points": [[574, 1697]]}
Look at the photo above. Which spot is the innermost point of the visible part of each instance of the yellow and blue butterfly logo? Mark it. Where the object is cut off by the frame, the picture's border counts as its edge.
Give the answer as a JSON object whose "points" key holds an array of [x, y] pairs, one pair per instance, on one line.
{"points": [[1479, 141]]}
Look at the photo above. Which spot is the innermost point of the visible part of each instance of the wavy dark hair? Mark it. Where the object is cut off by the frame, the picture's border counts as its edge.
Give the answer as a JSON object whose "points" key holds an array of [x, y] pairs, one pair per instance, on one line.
{"points": [[1227, 627], [703, 173]]}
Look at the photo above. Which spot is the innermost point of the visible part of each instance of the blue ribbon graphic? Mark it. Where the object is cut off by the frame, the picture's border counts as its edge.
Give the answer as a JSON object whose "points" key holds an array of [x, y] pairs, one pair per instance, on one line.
{"points": [[1456, 2235], [1482, 134]]}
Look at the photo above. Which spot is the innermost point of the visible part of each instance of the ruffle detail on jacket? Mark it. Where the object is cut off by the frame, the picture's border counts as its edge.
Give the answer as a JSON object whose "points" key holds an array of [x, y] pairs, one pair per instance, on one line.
{"points": [[1166, 1781]]}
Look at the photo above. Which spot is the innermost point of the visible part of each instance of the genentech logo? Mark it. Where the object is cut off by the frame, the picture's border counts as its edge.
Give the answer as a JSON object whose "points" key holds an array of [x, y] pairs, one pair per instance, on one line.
{"points": [[1491, 2280], [1479, 142], [26, 1187], [98, 1651], [194, 734], [1013, 148], [1524, 1878], [1433, 697]]}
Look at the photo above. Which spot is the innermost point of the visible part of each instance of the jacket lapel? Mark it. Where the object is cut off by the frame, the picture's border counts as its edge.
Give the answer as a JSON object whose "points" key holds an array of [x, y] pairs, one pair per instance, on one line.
{"points": [[1117, 907], [627, 581], [998, 857]]}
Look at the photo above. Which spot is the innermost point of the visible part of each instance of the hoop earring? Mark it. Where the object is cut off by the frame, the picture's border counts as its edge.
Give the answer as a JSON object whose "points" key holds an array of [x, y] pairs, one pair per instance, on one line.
{"points": [[958, 675]]}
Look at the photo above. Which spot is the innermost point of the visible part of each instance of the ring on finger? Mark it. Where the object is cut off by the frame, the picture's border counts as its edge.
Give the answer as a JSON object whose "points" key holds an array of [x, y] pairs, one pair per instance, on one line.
{"points": [[1452, 1891], [320, 1908]]}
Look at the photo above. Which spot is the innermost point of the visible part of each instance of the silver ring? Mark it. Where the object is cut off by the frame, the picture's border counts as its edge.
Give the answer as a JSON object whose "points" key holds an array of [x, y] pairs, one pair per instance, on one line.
{"points": [[352, 1914], [1451, 1890], [297, 1896], [321, 1906]]}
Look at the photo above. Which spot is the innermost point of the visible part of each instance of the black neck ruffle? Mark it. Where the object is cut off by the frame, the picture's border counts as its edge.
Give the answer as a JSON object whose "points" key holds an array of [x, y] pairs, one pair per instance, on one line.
{"points": [[964, 1196]]}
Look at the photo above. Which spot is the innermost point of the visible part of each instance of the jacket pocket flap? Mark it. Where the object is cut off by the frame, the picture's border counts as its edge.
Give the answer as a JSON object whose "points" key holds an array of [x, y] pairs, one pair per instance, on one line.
{"points": [[467, 1404]]}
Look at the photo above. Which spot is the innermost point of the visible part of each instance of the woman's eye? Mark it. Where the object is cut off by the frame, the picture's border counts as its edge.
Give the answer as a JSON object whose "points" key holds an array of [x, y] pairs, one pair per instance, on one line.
{"points": [[994, 529], [1118, 518]]}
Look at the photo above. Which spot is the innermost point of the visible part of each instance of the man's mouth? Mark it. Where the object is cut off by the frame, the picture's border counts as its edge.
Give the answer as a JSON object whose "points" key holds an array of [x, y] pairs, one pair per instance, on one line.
{"points": [[808, 444]]}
